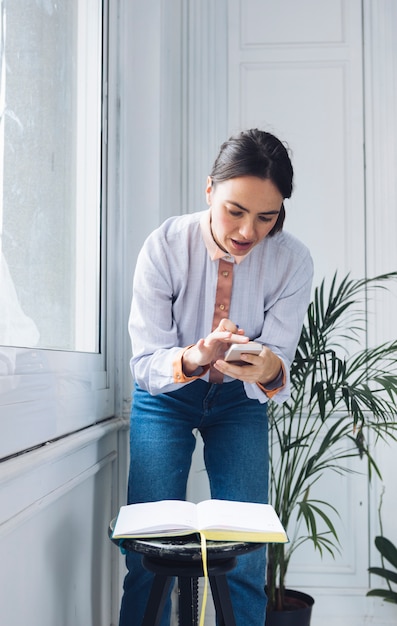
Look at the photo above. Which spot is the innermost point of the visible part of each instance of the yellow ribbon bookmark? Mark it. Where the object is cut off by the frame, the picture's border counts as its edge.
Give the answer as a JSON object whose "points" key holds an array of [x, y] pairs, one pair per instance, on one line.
{"points": [[203, 542]]}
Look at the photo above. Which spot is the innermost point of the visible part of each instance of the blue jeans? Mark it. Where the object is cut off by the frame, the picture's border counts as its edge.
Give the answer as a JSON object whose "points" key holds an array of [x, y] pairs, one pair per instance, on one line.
{"points": [[235, 434]]}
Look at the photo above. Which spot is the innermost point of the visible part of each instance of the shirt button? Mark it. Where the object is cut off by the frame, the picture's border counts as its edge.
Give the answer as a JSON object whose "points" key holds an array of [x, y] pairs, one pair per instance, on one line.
{"points": [[222, 307]]}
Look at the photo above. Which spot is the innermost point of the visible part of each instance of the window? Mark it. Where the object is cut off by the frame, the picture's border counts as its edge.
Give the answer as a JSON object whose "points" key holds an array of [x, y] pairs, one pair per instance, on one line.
{"points": [[50, 183]]}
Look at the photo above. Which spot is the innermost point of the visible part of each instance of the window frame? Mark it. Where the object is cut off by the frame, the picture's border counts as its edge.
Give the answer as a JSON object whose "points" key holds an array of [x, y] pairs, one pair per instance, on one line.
{"points": [[48, 394]]}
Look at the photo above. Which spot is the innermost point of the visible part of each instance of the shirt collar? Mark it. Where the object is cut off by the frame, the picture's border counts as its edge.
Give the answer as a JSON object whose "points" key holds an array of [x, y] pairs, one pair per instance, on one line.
{"points": [[213, 249]]}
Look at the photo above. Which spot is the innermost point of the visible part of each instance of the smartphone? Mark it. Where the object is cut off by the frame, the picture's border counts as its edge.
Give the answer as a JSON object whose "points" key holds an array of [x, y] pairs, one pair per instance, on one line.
{"points": [[233, 354]]}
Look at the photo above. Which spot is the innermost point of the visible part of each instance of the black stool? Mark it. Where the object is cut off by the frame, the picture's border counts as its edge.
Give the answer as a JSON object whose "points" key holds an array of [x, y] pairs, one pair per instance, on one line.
{"points": [[181, 557]]}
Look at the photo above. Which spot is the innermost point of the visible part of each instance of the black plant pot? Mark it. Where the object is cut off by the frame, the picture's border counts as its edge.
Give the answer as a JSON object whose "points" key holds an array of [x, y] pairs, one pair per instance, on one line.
{"points": [[297, 613]]}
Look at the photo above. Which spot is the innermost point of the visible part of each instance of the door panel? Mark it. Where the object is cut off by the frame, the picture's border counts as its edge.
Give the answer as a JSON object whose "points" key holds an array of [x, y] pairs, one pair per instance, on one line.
{"points": [[307, 90]]}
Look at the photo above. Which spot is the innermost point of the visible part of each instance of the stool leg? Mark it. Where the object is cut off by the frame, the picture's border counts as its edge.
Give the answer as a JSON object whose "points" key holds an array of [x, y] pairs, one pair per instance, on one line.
{"points": [[157, 599], [188, 601], [195, 596], [222, 600]]}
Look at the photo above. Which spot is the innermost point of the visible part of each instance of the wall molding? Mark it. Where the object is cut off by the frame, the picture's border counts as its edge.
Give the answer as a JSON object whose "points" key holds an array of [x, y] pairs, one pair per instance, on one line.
{"points": [[193, 100], [380, 61], [50, 498], [380, 58], [19, 466]]}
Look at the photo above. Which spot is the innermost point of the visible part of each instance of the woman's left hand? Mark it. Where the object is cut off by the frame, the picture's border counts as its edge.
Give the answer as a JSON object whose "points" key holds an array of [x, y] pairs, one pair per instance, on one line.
{"points": [[262, 368]]}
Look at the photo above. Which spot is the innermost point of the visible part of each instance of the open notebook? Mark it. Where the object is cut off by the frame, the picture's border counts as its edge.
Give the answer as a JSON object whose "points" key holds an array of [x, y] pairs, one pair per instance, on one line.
{"points": [[217, 520]]}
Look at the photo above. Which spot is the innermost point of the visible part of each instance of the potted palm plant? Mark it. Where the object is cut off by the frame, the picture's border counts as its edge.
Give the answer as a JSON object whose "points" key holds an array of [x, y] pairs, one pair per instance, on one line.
{"points": [[339, 391], [387, 570], [388, 552]]}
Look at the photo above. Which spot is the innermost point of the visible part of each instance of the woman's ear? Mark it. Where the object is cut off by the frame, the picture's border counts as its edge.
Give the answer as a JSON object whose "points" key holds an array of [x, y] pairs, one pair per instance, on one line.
{"points": [[208, 190]]}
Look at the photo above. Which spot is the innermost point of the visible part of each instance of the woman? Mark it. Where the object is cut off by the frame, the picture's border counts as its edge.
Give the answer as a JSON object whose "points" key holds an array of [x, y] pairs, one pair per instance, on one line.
{"points": [[202, 282]]}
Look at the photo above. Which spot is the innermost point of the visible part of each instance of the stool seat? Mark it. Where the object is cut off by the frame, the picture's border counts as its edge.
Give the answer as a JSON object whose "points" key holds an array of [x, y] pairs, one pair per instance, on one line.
{"points": [[187, 547], [181, 557]]}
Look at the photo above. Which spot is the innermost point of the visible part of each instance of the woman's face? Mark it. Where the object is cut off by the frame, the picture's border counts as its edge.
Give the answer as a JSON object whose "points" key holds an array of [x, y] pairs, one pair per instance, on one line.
{"points": [[243, 211]]}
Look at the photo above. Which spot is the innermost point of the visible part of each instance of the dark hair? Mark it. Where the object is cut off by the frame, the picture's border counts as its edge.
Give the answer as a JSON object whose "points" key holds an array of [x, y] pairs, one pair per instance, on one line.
{"points": [[256, 153]]}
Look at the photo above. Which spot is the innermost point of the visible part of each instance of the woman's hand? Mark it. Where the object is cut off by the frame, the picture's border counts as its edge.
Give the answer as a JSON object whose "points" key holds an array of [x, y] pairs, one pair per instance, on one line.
{"points": [[262, 368], [213, 347]]}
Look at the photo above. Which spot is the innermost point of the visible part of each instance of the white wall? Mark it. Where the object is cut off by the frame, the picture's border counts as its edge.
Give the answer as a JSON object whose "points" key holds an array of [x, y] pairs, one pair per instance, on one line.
{"points": [[57, 561]]}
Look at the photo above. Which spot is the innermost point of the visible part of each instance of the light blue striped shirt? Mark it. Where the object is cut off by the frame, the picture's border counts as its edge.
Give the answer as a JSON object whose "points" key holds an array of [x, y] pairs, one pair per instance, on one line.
{"points": [[174, 293]]}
